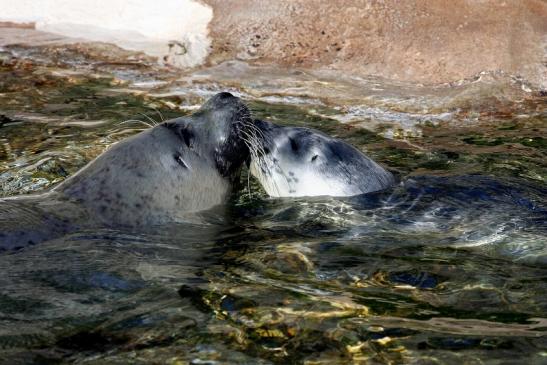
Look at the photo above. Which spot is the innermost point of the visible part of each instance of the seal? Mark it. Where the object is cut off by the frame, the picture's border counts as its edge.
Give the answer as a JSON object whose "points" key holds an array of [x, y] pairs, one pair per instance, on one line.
{"points": [[296, 161], [161, 175]]}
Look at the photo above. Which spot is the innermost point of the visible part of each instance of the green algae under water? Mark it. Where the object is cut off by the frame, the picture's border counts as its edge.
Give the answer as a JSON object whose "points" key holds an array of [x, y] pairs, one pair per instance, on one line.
{"points": [[450, 266]]}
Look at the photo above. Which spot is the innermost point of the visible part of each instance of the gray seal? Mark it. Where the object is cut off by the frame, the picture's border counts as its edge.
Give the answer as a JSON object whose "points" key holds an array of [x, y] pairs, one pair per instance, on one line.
{"points": [[296, 162], [161, 175]]}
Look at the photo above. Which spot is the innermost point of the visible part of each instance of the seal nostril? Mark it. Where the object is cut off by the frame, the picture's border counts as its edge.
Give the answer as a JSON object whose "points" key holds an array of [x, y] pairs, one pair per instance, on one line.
{"points": [[314, 158]]}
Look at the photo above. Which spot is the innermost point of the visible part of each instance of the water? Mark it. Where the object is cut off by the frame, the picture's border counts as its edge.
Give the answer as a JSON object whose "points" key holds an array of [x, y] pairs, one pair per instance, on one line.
{"points": [[449, 266]]}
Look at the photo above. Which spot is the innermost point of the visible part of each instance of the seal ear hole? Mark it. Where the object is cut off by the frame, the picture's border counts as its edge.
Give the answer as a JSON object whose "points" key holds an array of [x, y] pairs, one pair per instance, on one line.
{"points": [[188, 136], [184, 132], [314, 158]]}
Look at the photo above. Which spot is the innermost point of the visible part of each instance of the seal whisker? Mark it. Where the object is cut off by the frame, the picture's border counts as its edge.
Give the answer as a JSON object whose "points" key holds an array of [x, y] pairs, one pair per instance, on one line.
{"points": [[154, 123], [254, 148], [136, 121], [254, 139], [254, 128], [159, 114], [263, 169], [249, 184]]}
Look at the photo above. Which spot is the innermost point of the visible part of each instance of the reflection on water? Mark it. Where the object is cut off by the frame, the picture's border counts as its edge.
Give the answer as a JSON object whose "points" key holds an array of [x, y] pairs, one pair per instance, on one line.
{"points": [[449, 266]]}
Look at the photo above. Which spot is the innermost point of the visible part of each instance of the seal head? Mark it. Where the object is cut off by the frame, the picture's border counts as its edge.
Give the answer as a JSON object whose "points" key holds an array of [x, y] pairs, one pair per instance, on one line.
{"points": [[181, 166], [296, 161], [214, 131]]}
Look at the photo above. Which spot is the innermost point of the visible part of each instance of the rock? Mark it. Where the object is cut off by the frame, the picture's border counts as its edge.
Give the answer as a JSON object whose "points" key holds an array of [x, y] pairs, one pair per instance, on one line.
{"points": [[420, 41]]}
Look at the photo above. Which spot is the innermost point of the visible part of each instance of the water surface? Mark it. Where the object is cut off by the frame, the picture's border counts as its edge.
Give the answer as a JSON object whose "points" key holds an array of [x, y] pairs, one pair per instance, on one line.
{"points": [[449, 266]]}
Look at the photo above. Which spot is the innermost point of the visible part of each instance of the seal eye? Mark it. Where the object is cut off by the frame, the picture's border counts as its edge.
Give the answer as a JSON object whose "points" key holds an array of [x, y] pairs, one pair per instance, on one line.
{"points": [[314, 158], [294, 146], [179, 160]]}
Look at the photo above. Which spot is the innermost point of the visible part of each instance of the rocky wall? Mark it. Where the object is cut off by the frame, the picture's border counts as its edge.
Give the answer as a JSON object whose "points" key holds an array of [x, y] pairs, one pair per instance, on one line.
{"points": [[427, 41]]}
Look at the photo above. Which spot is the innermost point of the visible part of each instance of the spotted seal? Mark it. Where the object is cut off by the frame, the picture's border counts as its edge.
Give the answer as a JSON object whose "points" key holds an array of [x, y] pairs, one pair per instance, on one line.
{"points": [[161, 175], [297, 161]]}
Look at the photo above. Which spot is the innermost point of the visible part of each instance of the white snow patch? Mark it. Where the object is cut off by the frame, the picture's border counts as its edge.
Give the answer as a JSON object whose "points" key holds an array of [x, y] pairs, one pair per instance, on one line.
{"points": [[175, 31]]}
